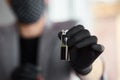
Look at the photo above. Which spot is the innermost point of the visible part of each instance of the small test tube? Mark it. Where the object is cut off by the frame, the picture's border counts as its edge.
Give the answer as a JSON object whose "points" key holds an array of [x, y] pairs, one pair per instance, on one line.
{"points": [[64, 48]]}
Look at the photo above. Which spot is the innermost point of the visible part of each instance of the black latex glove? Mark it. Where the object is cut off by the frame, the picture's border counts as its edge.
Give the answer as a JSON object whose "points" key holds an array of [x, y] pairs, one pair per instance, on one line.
{"points": [[25, 72], [83, 49]]}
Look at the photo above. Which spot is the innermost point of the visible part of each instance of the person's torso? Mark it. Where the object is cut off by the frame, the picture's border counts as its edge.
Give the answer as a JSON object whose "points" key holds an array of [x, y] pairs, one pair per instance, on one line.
{"points": [[48, 58]]}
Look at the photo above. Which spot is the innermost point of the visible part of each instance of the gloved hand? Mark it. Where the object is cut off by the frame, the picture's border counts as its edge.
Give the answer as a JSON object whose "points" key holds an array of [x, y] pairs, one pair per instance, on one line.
{"points": [[83, 49], [26, 72]]}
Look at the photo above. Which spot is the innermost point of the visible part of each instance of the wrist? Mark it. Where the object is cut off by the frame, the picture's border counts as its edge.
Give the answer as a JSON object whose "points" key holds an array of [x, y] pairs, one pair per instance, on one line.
{"points": [[95, 73], [84, 71]]}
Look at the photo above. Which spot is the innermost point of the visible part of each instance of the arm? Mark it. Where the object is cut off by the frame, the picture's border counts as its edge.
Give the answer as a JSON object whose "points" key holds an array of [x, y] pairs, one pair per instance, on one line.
{"points": [[96, 73], [84, 50]]}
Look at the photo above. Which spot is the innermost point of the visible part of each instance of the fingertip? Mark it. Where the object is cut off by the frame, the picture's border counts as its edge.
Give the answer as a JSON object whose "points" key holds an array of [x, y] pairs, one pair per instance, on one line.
{"points": [[74, 30], [79, 25], [95, 38], [98, 47]]}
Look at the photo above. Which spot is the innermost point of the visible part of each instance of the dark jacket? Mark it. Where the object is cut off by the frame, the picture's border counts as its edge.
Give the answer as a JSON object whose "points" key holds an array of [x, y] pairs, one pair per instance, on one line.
{"points": [[49, 54]]}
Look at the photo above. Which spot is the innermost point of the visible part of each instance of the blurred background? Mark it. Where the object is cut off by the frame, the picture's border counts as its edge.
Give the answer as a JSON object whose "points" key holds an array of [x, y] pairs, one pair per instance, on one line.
{"points": [[101, 17]]}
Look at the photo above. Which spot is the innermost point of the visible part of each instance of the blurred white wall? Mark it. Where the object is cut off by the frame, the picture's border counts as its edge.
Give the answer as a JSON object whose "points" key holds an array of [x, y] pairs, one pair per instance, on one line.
{"points": [[64, 10], [106, 1], [58, 11], [6, 16]]}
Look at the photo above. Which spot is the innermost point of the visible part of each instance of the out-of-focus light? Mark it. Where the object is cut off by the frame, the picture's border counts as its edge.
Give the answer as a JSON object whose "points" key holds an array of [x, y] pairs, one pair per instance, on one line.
{"points": [[59, 10], [65, 10], [105, 1], [6, 14], [82, 13]]}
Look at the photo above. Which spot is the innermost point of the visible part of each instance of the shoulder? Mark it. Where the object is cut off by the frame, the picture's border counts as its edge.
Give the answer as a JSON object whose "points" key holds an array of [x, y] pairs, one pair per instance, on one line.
{"points": [[7, 33], [6, 29]]}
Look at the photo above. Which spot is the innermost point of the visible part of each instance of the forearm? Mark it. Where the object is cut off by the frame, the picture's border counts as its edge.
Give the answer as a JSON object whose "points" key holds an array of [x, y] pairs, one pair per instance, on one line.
{"points": [[96, 73]]}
